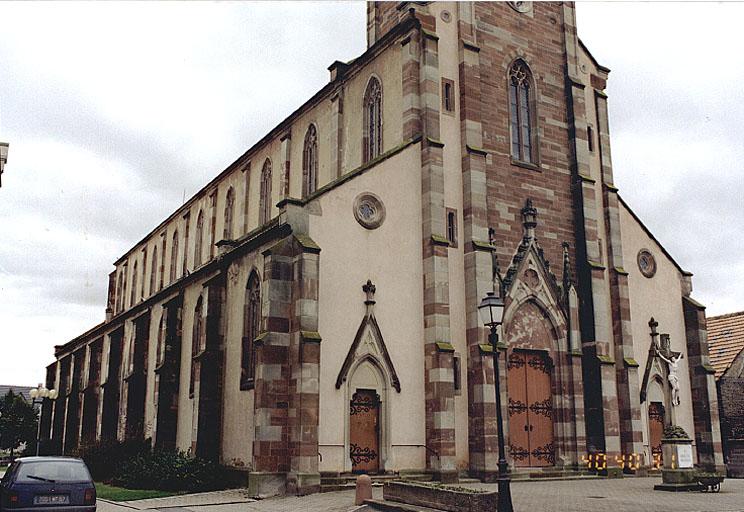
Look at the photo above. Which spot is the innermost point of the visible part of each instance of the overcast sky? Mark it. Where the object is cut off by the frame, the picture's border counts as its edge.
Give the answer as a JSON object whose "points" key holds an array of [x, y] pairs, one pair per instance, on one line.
{"points": [[117, 111]]}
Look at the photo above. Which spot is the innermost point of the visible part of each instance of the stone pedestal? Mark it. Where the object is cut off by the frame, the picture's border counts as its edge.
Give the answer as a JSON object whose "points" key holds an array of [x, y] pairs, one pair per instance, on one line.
{"points": [[678, 473]]}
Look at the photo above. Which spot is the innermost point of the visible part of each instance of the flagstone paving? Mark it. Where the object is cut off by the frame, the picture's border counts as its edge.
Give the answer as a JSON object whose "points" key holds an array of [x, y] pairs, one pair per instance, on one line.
{"points": [[621, 495]]}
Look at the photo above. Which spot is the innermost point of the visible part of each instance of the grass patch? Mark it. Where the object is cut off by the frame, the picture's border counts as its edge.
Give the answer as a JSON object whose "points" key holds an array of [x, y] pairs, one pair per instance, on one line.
{"points": [[113, 493]]}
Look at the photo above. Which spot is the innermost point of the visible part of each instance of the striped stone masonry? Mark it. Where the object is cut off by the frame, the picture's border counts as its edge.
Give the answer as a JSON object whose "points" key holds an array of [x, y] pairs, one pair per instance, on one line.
{"points": [[287, 406], [482, 437], [628, 390], [304, 360], [421, 95], [704, 394]]}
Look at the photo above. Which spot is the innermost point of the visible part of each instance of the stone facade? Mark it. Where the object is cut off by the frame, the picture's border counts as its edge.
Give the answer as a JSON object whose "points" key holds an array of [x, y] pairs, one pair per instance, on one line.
{"points": [[233, 328]]}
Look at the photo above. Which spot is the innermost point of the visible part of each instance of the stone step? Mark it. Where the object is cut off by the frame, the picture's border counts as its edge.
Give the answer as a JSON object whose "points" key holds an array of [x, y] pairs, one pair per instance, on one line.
{"points": [[332, 482]]}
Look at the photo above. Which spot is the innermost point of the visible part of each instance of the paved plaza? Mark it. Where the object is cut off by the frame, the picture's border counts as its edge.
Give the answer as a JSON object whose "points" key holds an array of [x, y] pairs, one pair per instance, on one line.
{"points": [[628, 494]]}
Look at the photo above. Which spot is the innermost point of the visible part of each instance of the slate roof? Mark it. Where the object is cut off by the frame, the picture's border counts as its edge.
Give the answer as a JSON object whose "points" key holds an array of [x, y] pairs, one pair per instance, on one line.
{"points": [[725, 340], [18, 390]]}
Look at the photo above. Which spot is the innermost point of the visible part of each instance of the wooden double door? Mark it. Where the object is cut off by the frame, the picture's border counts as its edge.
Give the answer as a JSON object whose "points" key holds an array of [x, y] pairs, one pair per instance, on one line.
{"points": [[364, 431], [530, 409]]}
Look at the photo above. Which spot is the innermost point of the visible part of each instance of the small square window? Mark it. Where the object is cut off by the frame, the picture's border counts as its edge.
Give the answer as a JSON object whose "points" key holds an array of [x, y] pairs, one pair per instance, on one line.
{"points": [[452, 227], [590, 137], [448, 95]]}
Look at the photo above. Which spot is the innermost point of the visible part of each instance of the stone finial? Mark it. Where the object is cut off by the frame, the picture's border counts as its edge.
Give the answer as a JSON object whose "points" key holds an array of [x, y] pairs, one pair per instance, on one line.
{"points": [[529, 219], [567, 278], [370, 290], [653, 324]]}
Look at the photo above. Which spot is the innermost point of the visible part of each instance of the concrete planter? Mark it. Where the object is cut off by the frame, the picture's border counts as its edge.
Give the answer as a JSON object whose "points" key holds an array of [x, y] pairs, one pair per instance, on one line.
{"points": [[442, 498]]}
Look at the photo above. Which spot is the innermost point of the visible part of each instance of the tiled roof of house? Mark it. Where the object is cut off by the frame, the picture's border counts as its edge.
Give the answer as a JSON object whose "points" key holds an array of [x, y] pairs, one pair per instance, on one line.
{"points": [[725, 340]]}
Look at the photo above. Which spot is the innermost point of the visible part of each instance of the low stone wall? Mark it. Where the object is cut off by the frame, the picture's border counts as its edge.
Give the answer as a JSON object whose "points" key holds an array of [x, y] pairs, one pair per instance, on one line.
{"points": [[446, 498]]}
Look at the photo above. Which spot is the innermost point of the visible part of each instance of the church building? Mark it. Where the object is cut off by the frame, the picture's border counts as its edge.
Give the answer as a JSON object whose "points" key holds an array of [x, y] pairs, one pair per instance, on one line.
{"points": [[314, 308]]}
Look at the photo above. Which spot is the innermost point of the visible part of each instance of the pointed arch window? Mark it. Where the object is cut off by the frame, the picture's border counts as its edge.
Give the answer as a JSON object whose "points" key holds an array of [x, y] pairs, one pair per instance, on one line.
{"points": [[160, 356], [199, 239], [174, 257], [310, 162], [264, 205], [120, 292], [251, 326], [133, 291], [154, 270], [229, 209], [522, 112], [198, 343], [372, 132]]}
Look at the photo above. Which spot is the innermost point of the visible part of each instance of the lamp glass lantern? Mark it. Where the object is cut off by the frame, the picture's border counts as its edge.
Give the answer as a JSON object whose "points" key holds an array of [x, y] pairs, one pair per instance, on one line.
{"points": [[491, 310]]}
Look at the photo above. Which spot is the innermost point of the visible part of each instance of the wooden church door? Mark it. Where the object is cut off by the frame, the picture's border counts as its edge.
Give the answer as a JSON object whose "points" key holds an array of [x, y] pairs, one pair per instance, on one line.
{"points": [[655, 431], [364, 421], [530, 409]]}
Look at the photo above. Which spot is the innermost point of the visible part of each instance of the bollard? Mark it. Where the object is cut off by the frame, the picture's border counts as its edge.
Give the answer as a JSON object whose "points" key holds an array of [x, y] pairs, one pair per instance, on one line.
{"points": [[363, 489]]}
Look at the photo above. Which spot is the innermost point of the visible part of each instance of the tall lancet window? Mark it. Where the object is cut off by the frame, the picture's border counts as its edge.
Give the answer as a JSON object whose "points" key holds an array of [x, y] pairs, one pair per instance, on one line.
{"points": [[372, 120], [133, 295], [199, 239], [229, 208], [154, 271], [310, 162], [174, 257], [251, 326], [522, 112], [264, 213], [198, 343]]}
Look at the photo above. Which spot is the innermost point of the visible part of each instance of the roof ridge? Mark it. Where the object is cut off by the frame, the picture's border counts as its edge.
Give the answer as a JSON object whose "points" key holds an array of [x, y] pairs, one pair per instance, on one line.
{"points": [[726, 315]]}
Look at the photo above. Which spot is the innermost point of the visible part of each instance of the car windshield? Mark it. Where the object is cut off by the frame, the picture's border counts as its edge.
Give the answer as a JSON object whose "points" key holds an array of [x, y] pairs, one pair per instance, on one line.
{"points": [[53, 471]]}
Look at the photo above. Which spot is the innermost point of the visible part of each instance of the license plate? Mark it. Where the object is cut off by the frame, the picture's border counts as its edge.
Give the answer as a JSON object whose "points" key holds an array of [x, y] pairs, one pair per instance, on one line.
{"points": [[54, 499]]}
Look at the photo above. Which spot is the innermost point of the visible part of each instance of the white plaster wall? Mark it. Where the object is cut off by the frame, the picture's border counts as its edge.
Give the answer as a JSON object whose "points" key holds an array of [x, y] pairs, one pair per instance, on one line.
{"points": [[659, 297], [387, 67], [391, 257]]}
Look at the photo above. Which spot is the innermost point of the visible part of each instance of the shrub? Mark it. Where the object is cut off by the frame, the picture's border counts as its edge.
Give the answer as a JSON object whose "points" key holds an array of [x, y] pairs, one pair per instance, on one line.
{"points": [[675, 432], [105, 459], [170, 470]]}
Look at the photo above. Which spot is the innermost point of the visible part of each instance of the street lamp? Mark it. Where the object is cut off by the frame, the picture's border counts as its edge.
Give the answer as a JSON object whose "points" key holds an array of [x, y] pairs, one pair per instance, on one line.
{"points": [[491, 310], [38, 395]]}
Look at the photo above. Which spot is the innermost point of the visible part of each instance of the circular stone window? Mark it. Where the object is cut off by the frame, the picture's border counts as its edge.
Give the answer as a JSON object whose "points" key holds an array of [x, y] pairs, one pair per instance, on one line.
{"points": [[369, 210], [646, 263], [446, 16]]}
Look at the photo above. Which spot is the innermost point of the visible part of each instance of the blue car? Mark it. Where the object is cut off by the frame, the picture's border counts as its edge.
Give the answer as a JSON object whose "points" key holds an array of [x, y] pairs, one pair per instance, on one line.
{"points": [[47, 484]]}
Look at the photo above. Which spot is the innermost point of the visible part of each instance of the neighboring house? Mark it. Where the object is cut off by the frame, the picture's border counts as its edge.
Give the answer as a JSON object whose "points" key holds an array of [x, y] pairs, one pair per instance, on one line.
{"points": [[18, 390], [726, 342], [314, 307]]}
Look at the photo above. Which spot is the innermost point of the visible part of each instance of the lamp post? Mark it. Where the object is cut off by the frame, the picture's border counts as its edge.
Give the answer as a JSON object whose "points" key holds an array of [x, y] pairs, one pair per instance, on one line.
{"points": [[491, 310], [38, 395]]}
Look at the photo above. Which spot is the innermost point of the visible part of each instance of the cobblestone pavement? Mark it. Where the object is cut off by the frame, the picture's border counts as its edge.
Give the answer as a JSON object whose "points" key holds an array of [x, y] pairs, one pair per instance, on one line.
{"points": [[622, 495]]}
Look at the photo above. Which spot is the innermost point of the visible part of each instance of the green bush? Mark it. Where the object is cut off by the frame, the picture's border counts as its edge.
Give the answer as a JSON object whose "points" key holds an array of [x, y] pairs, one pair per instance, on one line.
{"points": [[170, 470], [675, 432], [105, 459]]}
